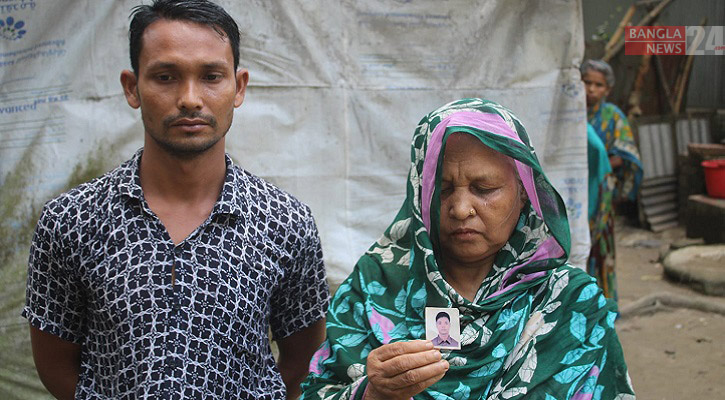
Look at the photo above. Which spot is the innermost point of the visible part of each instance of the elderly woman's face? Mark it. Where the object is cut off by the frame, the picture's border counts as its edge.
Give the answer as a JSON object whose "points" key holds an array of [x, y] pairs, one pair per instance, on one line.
{"points": [[480, 201], [596, 86]]}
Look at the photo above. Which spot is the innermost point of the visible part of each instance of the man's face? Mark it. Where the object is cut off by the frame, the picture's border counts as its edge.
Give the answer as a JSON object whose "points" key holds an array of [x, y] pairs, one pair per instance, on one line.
{"points": [[186, 86], [444, 326]]}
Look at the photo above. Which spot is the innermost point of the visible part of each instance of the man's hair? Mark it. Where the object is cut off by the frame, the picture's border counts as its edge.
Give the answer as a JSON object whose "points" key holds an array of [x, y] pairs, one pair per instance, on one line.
{"points": [[201, 12], [443, 314], [599, 66]]}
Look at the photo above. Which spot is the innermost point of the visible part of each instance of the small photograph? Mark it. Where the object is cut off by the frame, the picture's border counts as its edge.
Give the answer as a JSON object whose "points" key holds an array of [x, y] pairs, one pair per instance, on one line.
{"points": [[443, 327]]}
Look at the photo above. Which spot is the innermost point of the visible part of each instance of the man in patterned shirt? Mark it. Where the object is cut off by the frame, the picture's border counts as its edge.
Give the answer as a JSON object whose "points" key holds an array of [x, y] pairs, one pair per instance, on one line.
{"points": [[163, 277]]}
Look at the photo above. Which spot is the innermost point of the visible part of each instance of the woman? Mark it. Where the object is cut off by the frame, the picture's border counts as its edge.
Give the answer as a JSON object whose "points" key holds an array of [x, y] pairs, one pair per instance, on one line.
{"points": [[483, 231], [601, 260], [613, 129]]}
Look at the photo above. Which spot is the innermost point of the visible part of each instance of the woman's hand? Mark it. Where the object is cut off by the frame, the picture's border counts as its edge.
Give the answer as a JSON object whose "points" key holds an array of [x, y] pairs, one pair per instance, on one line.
{"points": [[403, 369]]}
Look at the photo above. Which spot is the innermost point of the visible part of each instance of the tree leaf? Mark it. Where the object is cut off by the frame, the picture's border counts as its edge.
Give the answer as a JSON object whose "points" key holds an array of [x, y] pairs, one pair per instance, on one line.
{"points": [[611, 317], [437, 395], [457, 361], [499, 351], [463, 392], [597, 335], [509, 393], [570, 374], [588, 292], [352, 339], [526, 372], [469, 335], [511, 319], [399, 229], [376, 288], [343, 306], [418, 300], [573, 355], [400, 300], [578, 325], [358, 314], [560, 282], [488, 369]]}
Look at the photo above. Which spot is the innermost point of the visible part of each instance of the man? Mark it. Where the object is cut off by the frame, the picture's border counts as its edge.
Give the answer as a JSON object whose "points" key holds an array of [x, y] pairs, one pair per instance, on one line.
{"points": [[443, 324], [162, 278]]}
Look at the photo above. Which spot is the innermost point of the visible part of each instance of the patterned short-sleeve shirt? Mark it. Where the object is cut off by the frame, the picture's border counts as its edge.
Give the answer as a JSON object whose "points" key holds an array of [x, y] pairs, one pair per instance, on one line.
{"points": [[158, 320]]}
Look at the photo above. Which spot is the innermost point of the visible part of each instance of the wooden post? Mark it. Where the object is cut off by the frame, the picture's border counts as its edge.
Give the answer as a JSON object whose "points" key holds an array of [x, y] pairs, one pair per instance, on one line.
{"points": [[643, 22], [635, 96], [663, 81], [682, 83], [620, 28]]}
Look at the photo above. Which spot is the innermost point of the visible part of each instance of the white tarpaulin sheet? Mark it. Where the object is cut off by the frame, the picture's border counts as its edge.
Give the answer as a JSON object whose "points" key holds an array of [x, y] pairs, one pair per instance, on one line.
{"points": [[336, 90]]}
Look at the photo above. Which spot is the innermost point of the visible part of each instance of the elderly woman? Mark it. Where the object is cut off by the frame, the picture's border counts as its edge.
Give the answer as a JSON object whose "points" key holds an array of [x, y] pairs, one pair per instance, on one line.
{"points": [[482, 231], [612, 126], [614, 133]]}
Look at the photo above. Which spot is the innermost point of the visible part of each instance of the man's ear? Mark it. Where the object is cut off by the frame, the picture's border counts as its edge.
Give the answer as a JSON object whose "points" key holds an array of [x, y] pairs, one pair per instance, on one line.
{"points": [[242, 78], [129, 82]]}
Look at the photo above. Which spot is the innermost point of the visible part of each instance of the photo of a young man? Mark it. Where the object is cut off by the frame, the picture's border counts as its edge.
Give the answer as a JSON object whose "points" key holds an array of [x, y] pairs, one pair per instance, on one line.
{"points": [[443, 327]]}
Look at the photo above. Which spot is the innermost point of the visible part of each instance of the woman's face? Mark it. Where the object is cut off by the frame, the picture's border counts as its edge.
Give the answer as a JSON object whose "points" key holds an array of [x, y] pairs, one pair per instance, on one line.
{"points": [[596, 86], [476, 177]]}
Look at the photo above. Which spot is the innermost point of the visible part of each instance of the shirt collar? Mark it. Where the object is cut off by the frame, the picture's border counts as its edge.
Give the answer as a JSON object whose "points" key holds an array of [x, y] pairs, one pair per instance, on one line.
{"points": [[129, 180], [230, 201]]}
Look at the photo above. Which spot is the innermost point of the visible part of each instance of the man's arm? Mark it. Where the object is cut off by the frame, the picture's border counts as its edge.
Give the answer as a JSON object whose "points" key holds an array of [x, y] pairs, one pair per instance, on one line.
{"points": [[295, 352], [57, 361]]}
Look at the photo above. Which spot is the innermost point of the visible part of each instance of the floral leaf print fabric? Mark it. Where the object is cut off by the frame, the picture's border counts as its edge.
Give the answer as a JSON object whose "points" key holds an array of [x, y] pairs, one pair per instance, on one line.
{"points": [[536, 327]]}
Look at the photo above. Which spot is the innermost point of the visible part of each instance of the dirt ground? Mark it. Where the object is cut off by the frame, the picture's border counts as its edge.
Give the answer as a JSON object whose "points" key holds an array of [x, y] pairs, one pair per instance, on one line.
{"points": [[675, 353]]}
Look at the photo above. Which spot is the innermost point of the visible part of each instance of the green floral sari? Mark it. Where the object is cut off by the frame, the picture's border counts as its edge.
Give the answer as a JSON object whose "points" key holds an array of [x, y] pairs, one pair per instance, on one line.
{"points": [[537, 328]]}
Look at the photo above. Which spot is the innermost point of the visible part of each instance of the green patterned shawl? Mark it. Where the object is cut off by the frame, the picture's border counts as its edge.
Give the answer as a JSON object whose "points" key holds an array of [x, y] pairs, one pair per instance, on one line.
{"points": [[537, 328]]}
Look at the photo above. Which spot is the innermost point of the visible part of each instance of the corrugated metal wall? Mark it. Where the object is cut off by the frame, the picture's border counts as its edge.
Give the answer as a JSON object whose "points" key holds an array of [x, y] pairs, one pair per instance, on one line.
{"points": [[660, 141], [656, 150], [692, 130], [657, 144]]}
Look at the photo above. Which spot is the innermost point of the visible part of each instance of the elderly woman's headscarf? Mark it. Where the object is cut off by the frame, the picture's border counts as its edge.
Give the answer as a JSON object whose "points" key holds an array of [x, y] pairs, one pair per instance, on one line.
{"points": [[508, 331]]}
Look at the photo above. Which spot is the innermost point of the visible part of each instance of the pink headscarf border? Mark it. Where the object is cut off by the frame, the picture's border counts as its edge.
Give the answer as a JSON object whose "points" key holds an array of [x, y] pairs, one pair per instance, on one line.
{"points": [[495, 124], [492, 123]]}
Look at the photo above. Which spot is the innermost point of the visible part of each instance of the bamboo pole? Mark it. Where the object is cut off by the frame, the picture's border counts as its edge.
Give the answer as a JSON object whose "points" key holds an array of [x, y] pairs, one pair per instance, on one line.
{"points": [[682, 84], [635, 97], [663, 81], [620, 28], [643, 22]]}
